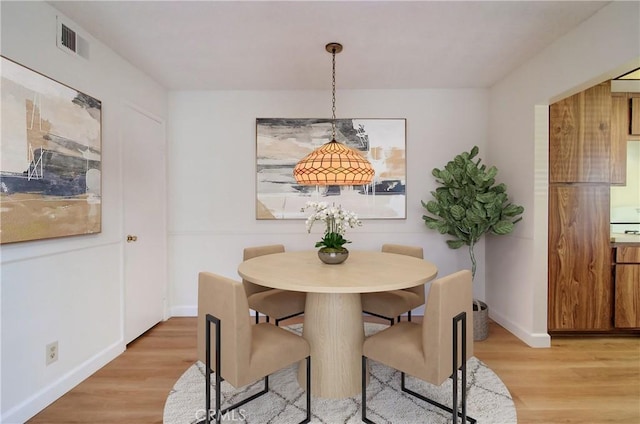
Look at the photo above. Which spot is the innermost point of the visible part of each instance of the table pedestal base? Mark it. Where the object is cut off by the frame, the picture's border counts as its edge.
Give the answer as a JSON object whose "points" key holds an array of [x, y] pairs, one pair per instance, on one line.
{"points": [[334, 328]]}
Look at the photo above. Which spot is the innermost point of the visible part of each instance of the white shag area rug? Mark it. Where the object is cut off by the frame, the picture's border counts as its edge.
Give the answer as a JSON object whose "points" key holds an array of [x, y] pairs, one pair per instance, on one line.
{"points": [[488, 400]]}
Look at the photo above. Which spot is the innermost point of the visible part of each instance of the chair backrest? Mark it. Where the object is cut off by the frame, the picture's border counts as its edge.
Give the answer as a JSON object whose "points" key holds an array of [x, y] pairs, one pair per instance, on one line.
{"points": [[252, 252], [414, 251], [225, 299], [448, 296]]}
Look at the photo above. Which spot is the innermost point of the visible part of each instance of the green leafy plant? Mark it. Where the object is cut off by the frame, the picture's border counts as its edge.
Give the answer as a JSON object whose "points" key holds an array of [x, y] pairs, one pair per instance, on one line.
{"points": [[469, 203]]}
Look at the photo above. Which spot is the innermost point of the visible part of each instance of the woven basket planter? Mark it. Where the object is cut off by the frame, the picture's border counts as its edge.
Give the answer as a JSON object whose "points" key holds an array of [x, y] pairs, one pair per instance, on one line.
{"points": [[480, 320]]}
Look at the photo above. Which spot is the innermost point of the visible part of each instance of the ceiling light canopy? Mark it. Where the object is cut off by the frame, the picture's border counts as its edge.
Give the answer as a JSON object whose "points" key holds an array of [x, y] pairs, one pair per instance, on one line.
{"points": [[333, 163]]}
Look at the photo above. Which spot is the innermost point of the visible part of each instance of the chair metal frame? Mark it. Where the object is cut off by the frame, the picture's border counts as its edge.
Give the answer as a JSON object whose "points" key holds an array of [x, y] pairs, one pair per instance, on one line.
{"points": [[460, 318], [391, 320], [278, 319], [219, 413]]}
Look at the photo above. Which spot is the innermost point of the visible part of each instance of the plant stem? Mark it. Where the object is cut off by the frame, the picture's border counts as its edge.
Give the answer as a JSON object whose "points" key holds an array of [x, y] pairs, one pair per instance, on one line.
{"points": [[473, 260]]}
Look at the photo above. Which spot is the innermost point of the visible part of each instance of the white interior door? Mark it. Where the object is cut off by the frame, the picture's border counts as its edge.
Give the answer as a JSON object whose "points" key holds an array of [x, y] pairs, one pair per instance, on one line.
{"points": [[145, 269]]}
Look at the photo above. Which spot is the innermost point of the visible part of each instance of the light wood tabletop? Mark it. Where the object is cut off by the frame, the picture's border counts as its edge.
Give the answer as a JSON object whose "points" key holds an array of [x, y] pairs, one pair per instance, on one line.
{"points": [[333, 323], [362, 272]]}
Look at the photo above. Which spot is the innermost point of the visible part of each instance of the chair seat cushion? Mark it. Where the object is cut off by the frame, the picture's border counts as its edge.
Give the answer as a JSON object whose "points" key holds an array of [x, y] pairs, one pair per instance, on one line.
{"points": [[277, 303], [273, 348], [400, 347], [390, 303]]}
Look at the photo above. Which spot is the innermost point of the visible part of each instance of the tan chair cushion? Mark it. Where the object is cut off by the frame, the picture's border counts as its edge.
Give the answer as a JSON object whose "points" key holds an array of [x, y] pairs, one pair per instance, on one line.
{"points": [[400, 249], [396, 302], [448, 296], [416, 252], [398, 346], [272, 349], [225, 299], [425, 350], [249, 352], [271, 302], [278, 303], [253, 252], [392, 303]]}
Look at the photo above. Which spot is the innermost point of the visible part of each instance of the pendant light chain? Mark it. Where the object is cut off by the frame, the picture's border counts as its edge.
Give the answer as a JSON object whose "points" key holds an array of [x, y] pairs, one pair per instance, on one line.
{"points": [[333, 96]]}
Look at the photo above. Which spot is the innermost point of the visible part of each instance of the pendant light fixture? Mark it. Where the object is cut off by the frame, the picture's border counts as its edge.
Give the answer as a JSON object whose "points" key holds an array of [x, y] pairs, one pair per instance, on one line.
{"points": [[333, 163]]}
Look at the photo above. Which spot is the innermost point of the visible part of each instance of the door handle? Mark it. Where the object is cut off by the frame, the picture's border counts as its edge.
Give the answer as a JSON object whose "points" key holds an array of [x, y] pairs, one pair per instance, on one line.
{"points": [[131, 238]]}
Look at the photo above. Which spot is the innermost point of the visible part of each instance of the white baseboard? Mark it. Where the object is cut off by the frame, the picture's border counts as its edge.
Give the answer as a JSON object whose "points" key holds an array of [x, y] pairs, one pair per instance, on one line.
{"points": [[183, 311], [532, 339], [188, 311], [46, 396]]}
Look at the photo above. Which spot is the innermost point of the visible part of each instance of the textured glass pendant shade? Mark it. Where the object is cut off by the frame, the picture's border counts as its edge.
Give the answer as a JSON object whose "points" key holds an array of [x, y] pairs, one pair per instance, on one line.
{"points": [[333, 164]]}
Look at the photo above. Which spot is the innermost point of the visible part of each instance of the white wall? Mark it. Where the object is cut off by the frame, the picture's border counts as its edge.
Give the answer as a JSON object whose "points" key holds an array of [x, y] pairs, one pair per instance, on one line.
{"points": [[600, 48], [70, 289], [67, 289], [212, 174]]}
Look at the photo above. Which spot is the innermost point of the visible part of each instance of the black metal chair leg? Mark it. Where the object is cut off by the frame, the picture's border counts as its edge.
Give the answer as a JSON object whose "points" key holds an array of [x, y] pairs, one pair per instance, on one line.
{"points": [[364, 391], [212, 320], [409, 316], [308, 418]]}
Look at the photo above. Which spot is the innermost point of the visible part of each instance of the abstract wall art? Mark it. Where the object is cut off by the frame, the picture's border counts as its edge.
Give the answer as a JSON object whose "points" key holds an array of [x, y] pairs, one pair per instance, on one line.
{"points": [[50, 158], [282, 142]]}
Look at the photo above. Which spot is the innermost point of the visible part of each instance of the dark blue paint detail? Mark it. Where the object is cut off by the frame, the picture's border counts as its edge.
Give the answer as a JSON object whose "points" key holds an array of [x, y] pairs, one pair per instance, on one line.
{"points": [[61, 175]]}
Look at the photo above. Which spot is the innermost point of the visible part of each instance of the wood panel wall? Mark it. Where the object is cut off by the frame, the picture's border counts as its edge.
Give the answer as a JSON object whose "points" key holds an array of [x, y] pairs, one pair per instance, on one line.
{"points": [[627, 296], [619, 136], [580, 284], [579, 136], [628, 255]]}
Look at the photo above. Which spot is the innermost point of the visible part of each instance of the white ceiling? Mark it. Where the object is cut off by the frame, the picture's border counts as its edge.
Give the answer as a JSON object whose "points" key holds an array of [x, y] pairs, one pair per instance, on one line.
{"points": [[205, 45]]}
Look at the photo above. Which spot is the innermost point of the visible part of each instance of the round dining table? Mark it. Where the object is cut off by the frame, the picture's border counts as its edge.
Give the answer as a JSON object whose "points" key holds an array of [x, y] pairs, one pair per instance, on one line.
{"points": [[333, 321]]}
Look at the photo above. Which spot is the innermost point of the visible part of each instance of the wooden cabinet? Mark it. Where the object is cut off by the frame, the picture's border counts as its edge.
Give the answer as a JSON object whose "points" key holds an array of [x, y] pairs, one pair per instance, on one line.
{"points": [[619, 137], [579, 136], [588, 135], [628, 255], [579, 267], [627, 288], [580, 286]]}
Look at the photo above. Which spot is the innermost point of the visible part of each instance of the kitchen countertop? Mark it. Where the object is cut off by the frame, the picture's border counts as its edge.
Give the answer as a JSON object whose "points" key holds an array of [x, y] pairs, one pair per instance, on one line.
{"points": [[621, 239]]}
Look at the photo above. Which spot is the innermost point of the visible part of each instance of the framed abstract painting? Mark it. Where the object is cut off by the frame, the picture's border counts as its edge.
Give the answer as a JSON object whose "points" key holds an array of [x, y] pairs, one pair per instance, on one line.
{"points": [[282, 142], [50, 158]]}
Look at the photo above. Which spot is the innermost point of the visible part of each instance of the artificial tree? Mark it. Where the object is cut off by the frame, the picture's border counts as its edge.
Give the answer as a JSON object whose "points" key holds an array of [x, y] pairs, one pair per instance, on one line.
{"points": [[469, 203]]}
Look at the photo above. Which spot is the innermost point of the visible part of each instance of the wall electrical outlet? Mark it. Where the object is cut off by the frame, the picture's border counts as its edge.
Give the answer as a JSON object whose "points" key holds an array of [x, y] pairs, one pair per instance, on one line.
{"points": [[52, 352]]}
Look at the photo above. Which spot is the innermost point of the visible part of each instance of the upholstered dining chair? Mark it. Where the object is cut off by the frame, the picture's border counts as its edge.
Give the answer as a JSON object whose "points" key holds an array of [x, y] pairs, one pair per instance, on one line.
{"points": [[427, 350], [274, 303], [392, 304], [243, 352]]}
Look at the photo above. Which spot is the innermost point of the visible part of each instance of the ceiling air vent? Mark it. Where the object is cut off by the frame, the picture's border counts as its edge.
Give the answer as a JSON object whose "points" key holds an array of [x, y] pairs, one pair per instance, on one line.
{"points": [[68, 40], [68, 37]]}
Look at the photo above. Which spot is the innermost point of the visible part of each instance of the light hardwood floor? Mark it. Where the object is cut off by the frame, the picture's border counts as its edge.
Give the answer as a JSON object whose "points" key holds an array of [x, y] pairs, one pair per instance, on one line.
{"points": [[578, 380]]}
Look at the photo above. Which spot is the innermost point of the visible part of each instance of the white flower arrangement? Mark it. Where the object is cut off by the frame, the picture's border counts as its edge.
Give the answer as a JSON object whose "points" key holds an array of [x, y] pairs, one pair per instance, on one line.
{"points": [[337, 221]]}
